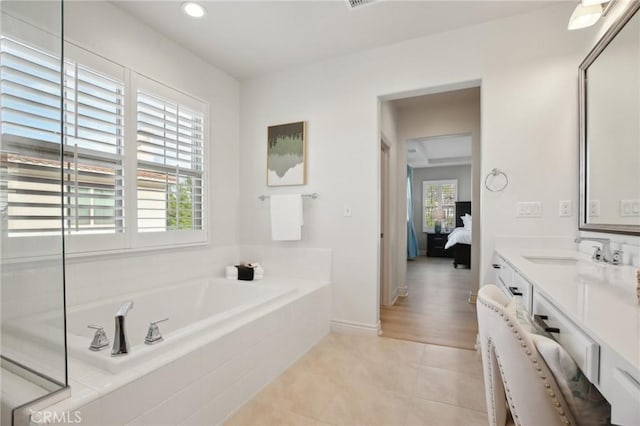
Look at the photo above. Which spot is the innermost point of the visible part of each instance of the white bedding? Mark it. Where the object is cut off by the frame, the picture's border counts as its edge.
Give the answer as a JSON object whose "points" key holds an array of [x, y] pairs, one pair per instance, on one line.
{"points": [[458, 236]]}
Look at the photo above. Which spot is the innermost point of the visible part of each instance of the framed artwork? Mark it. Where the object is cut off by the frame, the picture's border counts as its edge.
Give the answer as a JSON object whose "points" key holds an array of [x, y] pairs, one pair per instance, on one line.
{"points": [[286, 154]]}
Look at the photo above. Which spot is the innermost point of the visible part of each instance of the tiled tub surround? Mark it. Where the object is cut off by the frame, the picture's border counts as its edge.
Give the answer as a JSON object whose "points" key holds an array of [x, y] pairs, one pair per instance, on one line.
{"points": [[191, 308], [206, 377]]}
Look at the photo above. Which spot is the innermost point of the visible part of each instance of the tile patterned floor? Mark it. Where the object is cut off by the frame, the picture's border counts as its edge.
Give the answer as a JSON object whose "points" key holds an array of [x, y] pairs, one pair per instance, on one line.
{"points": [[369, 381]]}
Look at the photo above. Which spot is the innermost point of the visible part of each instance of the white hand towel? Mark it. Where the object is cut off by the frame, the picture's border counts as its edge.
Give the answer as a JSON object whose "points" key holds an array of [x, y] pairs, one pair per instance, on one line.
{"points": [[286, 217]]}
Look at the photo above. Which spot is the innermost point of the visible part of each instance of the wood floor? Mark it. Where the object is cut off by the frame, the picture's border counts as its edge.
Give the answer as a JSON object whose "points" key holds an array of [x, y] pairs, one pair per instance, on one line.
{"points": [[437, 310]]}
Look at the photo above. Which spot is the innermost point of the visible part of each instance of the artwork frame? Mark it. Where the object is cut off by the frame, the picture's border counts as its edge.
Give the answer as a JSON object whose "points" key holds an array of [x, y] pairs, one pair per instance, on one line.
{"points": [[287, 154]]}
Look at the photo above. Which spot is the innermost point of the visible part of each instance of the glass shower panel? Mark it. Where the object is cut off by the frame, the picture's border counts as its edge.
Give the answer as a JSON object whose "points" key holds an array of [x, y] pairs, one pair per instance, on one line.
{"points": [[32, 310]]}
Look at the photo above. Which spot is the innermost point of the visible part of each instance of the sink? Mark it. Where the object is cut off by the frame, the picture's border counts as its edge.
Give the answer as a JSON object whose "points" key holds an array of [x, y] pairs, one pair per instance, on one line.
{"points": [[551, 260]]}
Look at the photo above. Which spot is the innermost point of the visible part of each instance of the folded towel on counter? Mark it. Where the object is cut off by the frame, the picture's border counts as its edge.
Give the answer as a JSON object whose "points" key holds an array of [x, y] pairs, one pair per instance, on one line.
{"points": [[232, 272]]}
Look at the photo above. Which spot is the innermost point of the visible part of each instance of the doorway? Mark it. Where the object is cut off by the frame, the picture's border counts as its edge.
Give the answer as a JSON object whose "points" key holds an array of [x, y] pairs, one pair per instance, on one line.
{"points": [[438, 137]]}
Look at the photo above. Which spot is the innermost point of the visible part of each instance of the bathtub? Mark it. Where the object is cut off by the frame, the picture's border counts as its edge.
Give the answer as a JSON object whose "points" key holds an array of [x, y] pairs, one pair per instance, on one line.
{"points": [[194, 309]]}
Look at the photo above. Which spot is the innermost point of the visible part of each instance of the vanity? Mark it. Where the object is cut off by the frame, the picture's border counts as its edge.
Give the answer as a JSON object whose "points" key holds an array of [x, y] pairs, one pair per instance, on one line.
{"points": [[590, 308], [589, 305]]}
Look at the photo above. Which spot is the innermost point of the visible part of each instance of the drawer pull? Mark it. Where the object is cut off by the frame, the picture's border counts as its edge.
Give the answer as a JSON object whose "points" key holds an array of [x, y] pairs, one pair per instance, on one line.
{"points": [[539, 319], [515, 291], [496, 266]]}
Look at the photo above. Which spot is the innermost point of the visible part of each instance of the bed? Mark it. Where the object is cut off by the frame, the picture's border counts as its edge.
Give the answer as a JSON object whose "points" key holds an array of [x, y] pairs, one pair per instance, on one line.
{"points": [[460, 238]]}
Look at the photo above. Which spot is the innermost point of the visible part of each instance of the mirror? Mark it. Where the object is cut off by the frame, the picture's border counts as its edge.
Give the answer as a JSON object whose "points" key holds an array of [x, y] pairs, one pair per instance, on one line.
{"points": [[610, 130]]}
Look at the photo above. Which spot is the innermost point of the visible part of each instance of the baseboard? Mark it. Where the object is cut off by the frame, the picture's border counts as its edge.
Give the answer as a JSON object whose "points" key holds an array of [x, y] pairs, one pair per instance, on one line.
{"points": [[394, 296], [348, 327]]}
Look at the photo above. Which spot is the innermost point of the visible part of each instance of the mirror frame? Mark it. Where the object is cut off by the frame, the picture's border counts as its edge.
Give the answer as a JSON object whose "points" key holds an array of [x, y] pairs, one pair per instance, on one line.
{"points": [[582, 76]]}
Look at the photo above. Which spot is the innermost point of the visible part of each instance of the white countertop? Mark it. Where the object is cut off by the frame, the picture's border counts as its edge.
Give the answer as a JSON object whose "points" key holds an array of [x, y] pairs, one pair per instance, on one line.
{"points": [[600, 298]]}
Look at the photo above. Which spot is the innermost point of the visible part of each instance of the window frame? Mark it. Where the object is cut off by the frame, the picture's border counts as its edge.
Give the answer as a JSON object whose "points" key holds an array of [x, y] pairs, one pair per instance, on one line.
{"points": [[130, 240], [439, 183], [171, 237]]}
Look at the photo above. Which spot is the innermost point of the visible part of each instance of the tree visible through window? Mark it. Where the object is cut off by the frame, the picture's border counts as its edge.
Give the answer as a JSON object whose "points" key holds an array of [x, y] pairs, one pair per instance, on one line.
{"points": [[439, 196]]}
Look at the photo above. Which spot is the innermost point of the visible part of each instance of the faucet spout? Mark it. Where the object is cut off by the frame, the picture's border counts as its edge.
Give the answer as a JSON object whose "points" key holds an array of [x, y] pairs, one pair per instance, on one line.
{"points": [[125, 308], [606, 246], [120, 341]]}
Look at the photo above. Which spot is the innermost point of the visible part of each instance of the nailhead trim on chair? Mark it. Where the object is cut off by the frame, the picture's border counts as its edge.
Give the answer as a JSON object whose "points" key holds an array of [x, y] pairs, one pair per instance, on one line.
{"points": [[534, 361], [493, 405], [512, 406]]}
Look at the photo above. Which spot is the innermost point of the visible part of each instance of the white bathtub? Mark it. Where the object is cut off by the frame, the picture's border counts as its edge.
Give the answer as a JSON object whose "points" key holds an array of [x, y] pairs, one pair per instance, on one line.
{"points": [[194, 309]]}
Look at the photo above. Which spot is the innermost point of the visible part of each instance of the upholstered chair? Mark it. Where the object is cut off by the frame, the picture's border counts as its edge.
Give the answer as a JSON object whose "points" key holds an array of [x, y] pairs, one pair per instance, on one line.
{"points": [[519, 386]]}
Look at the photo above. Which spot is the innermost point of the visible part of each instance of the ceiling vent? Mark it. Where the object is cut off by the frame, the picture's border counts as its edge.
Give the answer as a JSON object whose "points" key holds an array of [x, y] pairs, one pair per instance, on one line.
{"points": [[354, 4]]}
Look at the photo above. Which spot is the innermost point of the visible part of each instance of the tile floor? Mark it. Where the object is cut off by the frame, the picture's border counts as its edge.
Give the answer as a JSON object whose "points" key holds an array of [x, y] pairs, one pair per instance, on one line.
{"points": [[368, 381]]}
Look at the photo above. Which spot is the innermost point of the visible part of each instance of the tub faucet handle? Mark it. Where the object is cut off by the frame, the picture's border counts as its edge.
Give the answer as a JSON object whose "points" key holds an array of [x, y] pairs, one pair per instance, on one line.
{"points": [[153, 334], [100, 340]]}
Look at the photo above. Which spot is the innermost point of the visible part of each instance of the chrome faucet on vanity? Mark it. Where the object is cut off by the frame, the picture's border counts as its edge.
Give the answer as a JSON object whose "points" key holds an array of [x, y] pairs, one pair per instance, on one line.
{"points": [[120, 341], [601, 254]]}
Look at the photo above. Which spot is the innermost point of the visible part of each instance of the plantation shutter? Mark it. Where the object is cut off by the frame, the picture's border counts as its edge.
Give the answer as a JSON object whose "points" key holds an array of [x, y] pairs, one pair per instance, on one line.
{"points": [[93, 154], [31, 138], [439, 194], [31, 135], [170, 166]]}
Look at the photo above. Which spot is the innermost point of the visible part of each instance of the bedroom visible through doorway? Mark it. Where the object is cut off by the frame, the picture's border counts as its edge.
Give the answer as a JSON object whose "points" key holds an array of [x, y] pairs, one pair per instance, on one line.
{"points": [[439, 134]]}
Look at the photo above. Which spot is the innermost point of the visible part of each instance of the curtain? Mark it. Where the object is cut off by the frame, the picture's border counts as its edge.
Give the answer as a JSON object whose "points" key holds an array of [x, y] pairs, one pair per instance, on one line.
{"points": [[412, 238]]}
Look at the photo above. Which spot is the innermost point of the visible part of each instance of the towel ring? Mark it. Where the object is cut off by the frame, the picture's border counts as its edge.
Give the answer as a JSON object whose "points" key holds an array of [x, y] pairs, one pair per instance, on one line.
{"points": [[494, 173]]}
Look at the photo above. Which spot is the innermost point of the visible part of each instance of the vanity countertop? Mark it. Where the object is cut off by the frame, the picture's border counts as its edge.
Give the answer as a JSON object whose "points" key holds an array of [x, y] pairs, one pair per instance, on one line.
{"points": [[600, 298]]}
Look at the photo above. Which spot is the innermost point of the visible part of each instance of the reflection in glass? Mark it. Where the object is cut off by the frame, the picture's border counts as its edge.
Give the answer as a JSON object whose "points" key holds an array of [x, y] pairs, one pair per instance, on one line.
{"points": [[32, 341]]}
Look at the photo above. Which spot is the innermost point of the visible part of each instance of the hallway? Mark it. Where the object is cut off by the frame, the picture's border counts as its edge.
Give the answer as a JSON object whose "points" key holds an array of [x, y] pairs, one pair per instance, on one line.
{"points": [[436, 310]]}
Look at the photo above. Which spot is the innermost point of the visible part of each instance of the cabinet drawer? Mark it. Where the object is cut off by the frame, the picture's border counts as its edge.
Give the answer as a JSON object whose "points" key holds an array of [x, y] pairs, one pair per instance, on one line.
{"points": [[625, 408], [584, 351], [506, 275], [521, 288]]}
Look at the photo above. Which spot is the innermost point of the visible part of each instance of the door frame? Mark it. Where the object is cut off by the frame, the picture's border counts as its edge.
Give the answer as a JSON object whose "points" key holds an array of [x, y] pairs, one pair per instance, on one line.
{"points": [[385, 227]]}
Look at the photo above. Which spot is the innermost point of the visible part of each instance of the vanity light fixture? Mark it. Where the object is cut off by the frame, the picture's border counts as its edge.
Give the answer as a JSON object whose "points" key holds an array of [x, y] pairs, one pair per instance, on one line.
{"points": [[585, 16], [193, 9]]}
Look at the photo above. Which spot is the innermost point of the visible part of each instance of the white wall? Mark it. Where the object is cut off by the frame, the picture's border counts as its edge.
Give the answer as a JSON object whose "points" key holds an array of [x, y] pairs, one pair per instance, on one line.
{"points": [[528, 67]]}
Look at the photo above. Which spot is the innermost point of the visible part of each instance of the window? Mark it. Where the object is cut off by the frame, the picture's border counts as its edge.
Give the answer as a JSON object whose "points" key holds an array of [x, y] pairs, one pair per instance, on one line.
{"points": [[439, 199], [170, 165], [30, 117], [93, 152], [118, 181], [92, 144]]}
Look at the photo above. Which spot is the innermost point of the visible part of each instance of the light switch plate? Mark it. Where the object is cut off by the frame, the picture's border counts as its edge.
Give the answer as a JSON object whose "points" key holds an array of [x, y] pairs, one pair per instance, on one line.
{"points": [[565, 208], [630, 208], [529, 209]]}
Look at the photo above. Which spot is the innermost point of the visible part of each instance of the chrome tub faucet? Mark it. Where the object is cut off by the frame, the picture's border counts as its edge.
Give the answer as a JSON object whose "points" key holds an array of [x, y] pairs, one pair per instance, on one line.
{"points": [[120, 341]]}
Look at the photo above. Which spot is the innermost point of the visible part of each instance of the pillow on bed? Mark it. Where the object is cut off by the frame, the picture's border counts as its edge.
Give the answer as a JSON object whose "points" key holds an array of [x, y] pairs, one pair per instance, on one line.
{"points": [[466, 220]]}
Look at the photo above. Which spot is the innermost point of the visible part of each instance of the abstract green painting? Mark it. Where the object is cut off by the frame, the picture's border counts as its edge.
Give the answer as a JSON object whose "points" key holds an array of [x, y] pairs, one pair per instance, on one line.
{"points": [[286, 154]]}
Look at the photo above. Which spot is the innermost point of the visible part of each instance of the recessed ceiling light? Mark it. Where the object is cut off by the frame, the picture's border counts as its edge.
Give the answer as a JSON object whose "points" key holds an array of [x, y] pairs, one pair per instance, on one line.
{"points": [[193, 9]]}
